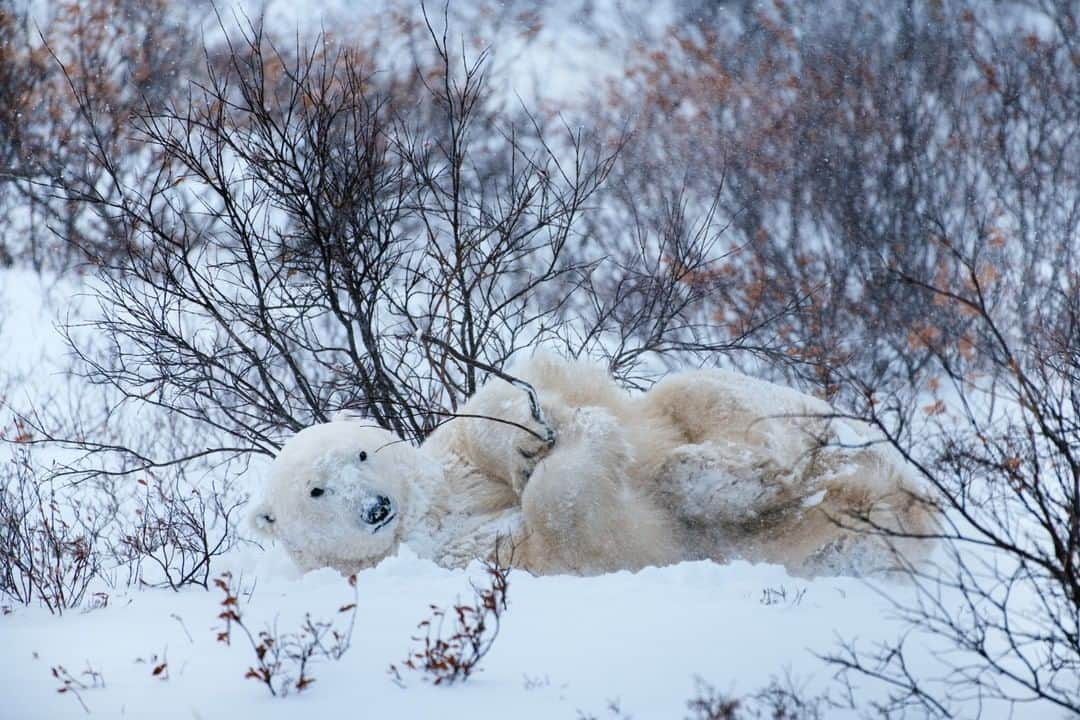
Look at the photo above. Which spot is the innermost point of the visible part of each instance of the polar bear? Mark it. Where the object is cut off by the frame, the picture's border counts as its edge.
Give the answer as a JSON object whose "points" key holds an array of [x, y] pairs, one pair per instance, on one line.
{"points": [[706, 464]]}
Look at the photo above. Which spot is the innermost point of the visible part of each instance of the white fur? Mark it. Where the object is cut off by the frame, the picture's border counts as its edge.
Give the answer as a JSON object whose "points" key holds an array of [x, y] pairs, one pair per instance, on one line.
{"points": [[706, 464]]}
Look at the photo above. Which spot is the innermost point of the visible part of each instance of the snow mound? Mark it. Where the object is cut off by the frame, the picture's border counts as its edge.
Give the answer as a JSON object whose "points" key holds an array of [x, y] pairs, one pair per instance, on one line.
{"points": [[567, 644]]}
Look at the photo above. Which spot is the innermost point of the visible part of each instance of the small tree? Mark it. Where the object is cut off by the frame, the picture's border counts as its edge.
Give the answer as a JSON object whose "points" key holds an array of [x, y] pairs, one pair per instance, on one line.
{"points": [[316, 237]]}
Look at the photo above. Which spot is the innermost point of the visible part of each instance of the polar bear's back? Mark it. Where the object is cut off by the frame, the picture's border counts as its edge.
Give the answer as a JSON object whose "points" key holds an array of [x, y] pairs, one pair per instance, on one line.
{"points": [[722, 406]]}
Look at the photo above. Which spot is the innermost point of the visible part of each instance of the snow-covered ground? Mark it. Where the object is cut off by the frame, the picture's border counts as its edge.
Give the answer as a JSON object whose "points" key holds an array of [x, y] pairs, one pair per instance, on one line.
{"points": [[567, 645]]}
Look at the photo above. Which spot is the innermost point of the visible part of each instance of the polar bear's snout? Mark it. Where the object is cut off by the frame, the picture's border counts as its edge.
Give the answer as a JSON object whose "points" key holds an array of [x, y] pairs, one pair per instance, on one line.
{"points": [[378, 511]]}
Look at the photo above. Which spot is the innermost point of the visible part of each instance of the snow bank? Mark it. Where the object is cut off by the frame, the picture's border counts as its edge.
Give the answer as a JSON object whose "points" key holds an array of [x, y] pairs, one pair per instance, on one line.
{"points": [[567, 644]]}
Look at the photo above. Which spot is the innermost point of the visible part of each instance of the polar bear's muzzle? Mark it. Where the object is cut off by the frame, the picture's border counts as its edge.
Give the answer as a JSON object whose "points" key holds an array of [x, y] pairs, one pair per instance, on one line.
{"points": [[377, 511]]}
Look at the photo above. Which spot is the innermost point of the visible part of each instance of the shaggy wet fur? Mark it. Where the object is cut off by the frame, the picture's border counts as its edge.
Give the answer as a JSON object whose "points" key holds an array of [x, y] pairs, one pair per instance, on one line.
{"points": [[707, 464]]}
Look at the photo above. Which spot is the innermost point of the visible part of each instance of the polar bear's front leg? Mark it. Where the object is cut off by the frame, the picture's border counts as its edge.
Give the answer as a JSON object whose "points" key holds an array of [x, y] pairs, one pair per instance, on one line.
{"points": [[500, 436], [581, 514]]}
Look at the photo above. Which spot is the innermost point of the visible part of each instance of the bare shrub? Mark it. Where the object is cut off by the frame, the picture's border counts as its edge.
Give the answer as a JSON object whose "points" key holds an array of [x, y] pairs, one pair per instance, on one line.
{"points": [[781, 699], [781, 595], [340, 234], [283, 660], [837, 144], [995, 433], [452, 654], [51, 544], [180, 529], [614, 711], [164, 527]]}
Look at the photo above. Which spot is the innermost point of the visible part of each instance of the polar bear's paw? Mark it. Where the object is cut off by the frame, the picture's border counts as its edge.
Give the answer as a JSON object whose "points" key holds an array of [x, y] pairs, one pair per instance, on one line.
{"points": [[499, 434], [710, 483], [529, 449], [527, 456]]}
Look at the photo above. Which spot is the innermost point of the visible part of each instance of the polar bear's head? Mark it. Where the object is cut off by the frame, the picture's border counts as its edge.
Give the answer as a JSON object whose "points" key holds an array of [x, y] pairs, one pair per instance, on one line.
{"points": [[342, 494]]}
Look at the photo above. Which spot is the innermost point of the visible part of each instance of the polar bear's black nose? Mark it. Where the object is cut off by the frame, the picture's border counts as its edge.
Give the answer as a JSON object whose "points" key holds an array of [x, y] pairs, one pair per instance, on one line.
{"points": [[378, 510]]}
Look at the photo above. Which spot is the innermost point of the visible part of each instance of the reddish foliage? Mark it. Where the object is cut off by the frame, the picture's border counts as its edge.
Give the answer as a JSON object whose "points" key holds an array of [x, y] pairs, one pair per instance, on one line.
{"points": [[446, 659]]}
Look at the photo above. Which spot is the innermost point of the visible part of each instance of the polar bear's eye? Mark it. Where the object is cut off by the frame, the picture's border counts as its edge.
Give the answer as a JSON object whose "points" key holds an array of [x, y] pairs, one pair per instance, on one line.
{"points": [[316, 492], [363, 456]]}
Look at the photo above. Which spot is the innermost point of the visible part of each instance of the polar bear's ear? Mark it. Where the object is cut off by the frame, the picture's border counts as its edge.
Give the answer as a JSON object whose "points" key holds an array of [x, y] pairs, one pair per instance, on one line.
{"points": [[263, 520]]}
